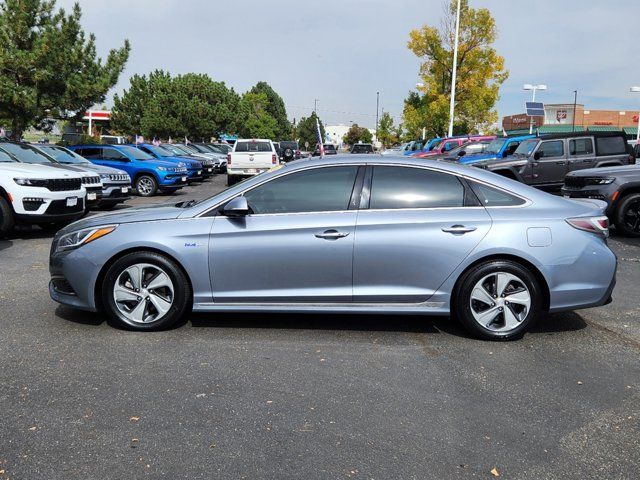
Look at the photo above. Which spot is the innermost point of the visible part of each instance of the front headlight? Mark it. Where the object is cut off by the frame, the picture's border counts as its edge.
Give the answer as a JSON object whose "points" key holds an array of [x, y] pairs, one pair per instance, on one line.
{"points": [[78, 238], [105, 176], [600, 180], [163, 169], [28, 182]]}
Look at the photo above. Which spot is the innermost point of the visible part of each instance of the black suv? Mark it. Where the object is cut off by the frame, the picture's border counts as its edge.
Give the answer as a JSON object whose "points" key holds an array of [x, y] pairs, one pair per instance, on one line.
{"points": [[362, 148], [544, 161], [289, 150], [618, 186]]}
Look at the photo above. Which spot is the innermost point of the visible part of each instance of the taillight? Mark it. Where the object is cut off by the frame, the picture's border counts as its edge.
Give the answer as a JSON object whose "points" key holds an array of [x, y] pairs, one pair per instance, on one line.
{"points": [[598, 225], [297, 152], [228, 159], [632, 160], [274, 159]]}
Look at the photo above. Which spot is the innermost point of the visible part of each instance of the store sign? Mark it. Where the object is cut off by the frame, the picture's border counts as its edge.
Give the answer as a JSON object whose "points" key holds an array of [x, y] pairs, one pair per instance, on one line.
{"points": [[603, 123], [635, 118], [561, 115]]}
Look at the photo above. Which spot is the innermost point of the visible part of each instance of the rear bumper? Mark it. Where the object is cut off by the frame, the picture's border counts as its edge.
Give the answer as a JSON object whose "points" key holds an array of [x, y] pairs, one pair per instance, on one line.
{"points": [[594, 192]]}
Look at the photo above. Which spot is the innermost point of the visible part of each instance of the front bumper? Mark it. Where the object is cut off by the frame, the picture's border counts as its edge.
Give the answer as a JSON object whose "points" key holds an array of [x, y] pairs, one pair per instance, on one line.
{"points": [[115, 193], [173, 181], [596, 192]]}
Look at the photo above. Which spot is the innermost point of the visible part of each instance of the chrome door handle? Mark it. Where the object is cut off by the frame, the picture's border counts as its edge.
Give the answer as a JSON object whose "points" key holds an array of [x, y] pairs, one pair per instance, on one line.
{"points": [[459, 229], [331, 234]]}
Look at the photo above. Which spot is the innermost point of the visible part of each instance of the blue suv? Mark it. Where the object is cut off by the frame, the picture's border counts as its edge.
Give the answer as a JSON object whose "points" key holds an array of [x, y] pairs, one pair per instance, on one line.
{"points": [[500, 147], [194, 167], [148, 174]]}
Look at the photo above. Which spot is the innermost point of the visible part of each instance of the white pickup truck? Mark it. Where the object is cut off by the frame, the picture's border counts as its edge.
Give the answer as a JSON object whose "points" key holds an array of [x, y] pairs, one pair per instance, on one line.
{"points": [[250, 157]]}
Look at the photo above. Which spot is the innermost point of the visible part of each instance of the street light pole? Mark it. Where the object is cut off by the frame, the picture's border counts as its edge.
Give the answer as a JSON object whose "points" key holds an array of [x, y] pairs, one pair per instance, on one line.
{"points": [[575, 104], [637, 90], [455, 69], [528, 86], [315, 106], [377, 108]]}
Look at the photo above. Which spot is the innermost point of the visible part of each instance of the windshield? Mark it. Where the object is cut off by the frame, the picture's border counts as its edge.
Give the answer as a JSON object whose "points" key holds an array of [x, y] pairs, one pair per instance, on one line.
{"points": [[173, 149], [161, 151], [63, 155], [5, 158], [227, 148], [136, 153], [25, 153], [526, 147], [199, 148], [495, 145], [436, 145], [217, 149]]}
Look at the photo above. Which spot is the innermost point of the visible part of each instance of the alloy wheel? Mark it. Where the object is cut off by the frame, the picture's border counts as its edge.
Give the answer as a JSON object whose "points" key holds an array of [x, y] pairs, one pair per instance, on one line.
{"points": [[500, 302], [632, 216], [145, 186], [143, 293]]}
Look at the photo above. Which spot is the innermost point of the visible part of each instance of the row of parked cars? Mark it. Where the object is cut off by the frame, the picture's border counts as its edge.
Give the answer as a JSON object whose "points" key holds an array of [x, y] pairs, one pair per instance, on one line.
{"points": [[50, 185], [594, 165]]}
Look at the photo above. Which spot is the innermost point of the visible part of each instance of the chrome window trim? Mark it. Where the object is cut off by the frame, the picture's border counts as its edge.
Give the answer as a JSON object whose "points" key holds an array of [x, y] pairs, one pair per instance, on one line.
{"points": [[526, 203]]}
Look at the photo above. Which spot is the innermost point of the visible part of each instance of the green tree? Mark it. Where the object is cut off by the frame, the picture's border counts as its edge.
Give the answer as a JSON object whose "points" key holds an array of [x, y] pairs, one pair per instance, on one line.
{"points": [[163, 106], [357, 134], [276, 108], [48, 67], [306, 130], [480, 73], [386, 130], [257, 122]]}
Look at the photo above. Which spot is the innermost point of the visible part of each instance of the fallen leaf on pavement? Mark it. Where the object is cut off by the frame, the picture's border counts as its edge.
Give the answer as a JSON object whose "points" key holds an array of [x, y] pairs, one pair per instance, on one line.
{"points": [[494, 472], [134, 419]]}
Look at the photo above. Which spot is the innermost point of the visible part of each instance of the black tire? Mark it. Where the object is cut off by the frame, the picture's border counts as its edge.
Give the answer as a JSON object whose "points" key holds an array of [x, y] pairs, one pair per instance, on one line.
{"points": [[462, 307], [627, 218], [146, 185], [231, 180], [182, 294], [6, 216]]}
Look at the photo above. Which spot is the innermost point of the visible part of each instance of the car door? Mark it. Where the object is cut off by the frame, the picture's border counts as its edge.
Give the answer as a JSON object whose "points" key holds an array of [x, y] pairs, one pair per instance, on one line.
{"points": [[417, 226], [581, 154], [295, 247], [550, 163]]}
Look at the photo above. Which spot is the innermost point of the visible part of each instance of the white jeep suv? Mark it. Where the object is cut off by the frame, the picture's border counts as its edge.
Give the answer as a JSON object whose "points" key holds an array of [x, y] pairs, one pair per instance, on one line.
{"points": [[38, 194]]}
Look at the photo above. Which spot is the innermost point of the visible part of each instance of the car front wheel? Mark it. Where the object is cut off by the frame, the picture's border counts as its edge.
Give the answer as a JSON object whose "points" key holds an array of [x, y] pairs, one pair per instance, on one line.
{"points": [[6, 216], [145, 291], [146, 186], [498, 300], [628, 215]]}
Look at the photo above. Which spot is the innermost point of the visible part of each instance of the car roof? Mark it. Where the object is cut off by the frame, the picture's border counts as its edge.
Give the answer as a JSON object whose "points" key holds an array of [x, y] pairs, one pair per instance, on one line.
{"points": [[582, 134]]}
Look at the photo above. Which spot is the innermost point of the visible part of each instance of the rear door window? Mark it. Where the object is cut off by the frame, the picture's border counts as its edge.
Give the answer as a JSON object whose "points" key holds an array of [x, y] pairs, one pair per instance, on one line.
{"points": [[581, 146], [406, 187]]}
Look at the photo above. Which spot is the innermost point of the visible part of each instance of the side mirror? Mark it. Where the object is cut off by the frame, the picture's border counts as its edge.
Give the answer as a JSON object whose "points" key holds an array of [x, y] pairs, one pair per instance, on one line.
{"points": [[238, 207], [462, 153], [538, 155]]}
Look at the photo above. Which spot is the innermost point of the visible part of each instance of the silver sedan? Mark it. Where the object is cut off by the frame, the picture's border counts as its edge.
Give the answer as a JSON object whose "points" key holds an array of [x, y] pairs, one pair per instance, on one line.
{"points": [[370, 234]]}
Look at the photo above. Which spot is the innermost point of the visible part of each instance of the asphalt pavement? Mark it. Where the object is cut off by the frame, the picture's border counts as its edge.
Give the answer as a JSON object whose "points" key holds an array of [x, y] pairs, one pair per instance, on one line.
{"points": [[311, 396]]}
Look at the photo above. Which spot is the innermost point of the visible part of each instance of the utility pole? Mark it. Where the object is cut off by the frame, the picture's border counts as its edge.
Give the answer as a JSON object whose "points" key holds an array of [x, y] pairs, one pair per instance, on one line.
{"points": [[575, 104], [315, 106], [377, 108], [455, 69]]}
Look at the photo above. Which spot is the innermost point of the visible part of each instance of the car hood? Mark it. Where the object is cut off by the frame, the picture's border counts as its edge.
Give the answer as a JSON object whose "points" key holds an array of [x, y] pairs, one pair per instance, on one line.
{"points": [[189, 162], [38, 171], [626, 170], [130, 215], [97, 168], [502, 162], [82, 170]]}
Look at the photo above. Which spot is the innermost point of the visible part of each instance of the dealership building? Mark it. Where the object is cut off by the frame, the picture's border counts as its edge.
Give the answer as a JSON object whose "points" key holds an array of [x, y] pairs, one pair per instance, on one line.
{"points": [[559, 118]]}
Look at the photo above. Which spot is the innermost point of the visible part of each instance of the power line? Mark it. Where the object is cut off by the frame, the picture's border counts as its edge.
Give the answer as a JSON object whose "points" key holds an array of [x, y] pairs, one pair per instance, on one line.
{"points": [[300, 107]]}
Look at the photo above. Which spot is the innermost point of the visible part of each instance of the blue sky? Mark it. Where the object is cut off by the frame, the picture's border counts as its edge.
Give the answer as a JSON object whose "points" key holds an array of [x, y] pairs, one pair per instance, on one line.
{"points": [[343, 52]]}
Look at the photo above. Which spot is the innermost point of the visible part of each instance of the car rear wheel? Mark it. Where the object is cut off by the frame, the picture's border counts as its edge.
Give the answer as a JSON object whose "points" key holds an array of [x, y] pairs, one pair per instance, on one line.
{"points": [[498, 300], [628, 215], [146, 186], [231, 180], [145, 291], [6, 216]]}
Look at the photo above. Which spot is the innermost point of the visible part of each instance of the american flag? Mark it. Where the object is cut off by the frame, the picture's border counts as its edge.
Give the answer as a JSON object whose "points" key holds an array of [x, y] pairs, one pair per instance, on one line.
{"points": [[319, 135]]}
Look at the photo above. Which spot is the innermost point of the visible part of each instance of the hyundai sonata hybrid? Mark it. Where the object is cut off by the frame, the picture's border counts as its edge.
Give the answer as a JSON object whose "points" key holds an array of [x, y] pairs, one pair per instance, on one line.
{"points": [[359, 234]]}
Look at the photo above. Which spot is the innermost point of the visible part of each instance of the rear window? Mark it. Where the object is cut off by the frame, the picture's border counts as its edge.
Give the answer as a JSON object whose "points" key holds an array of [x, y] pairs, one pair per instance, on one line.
{"points": [[493, 197], [611, 145], [362, 149], [291, 145], [253, 147]]}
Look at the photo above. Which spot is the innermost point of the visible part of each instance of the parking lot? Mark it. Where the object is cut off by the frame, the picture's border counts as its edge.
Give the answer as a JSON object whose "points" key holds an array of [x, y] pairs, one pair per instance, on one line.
{"points": [[311, 396]]}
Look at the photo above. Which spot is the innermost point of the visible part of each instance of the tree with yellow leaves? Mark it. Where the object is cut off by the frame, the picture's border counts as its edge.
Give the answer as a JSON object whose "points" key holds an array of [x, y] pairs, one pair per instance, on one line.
{"points": [[480, 73]]}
